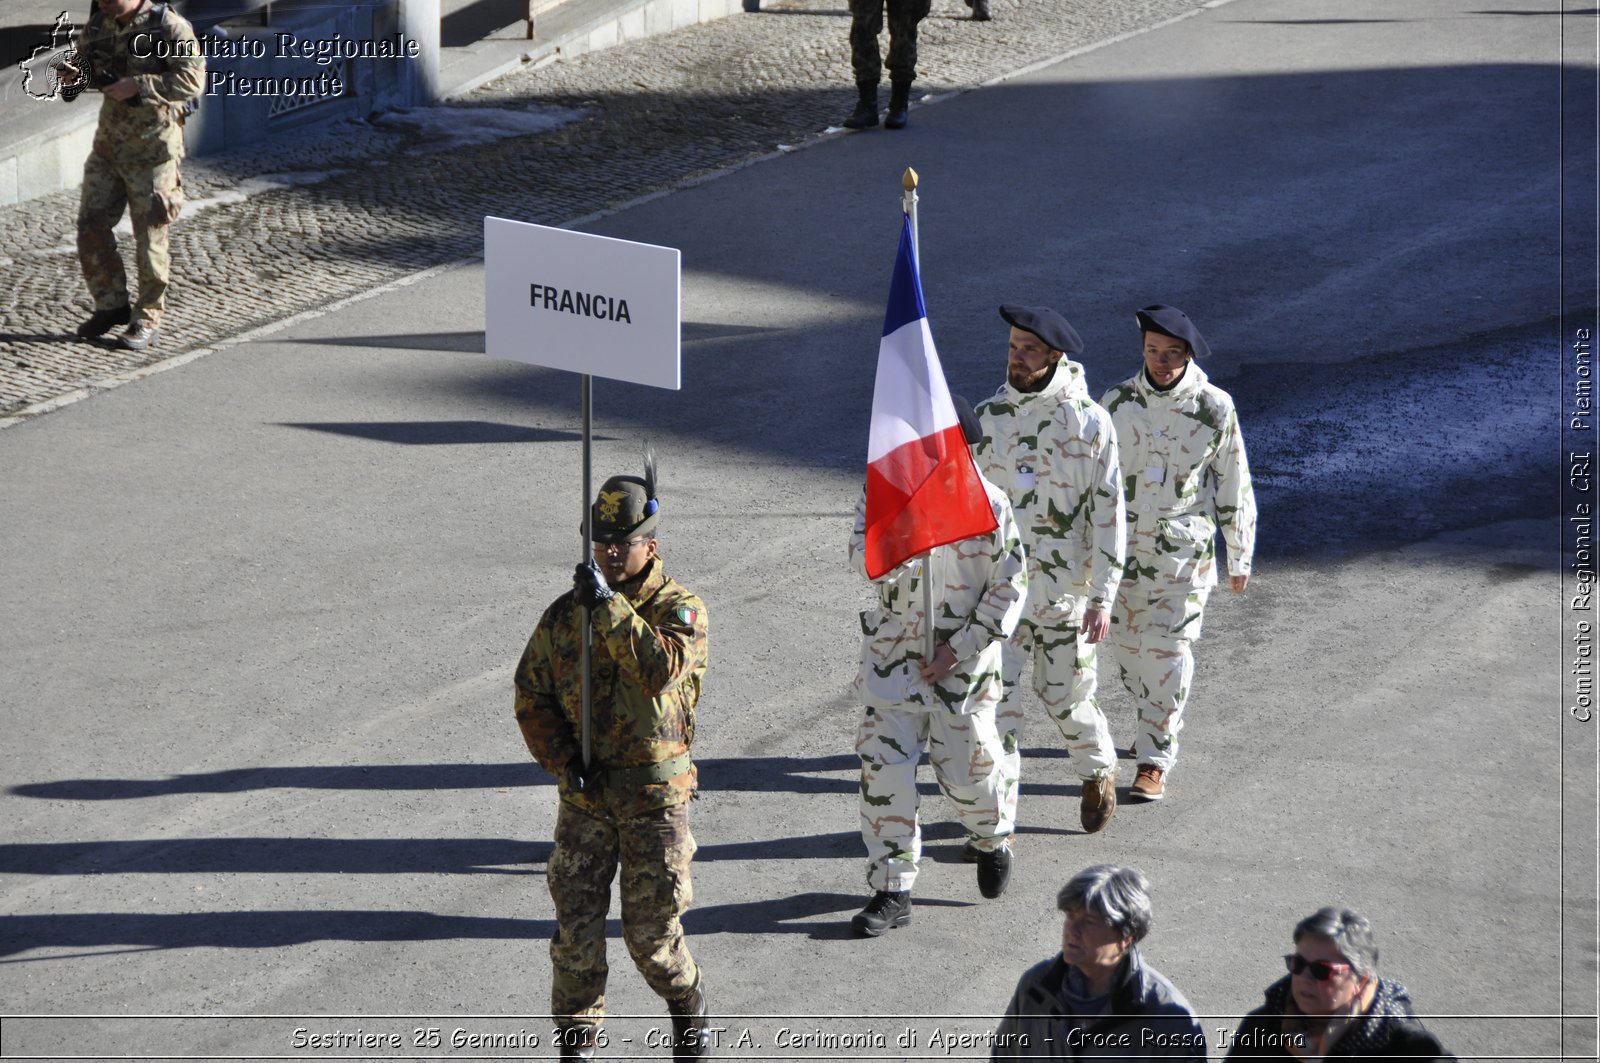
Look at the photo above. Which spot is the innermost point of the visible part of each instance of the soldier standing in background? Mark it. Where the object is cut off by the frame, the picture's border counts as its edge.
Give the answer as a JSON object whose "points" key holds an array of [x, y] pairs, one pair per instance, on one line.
{"points": [[866, 22], [629, 804], [1186, 474], [946, 703], [1054, 452], [144, 59]]}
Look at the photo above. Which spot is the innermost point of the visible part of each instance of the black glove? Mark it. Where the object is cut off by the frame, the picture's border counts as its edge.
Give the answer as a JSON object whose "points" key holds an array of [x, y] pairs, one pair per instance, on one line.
{"points": [[589, 586], [576, 780]]}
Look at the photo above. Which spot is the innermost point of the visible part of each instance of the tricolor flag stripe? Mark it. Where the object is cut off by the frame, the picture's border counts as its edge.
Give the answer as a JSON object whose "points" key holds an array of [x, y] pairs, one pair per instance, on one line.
{"points": [[903, 370], [922, 487]]}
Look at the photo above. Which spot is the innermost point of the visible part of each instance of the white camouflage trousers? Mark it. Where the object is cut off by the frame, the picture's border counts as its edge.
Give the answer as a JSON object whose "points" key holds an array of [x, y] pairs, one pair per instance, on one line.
{"points": [[1065, 681], [966, 757], [1154, 639]]}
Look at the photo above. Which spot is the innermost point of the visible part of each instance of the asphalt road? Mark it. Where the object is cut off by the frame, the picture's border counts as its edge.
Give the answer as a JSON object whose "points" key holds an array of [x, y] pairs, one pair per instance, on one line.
{"points": [[261, 611]]}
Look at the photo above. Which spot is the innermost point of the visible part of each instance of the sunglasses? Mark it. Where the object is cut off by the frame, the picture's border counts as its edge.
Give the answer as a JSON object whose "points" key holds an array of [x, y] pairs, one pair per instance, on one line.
{"points": [[606, 549], [1321, 970]]}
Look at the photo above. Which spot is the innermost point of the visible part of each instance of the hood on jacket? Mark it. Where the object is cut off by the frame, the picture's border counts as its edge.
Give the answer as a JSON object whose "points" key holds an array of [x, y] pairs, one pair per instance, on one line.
{"points": [[1194, 378], [1067, 382]]}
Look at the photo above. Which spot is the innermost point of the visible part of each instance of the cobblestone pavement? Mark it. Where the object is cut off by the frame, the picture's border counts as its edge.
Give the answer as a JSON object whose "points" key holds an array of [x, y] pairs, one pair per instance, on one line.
{"points": [[331, 214]]}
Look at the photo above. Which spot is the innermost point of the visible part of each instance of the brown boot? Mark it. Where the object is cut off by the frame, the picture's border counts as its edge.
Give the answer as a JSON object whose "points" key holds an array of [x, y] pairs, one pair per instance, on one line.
{"points": [[1149, 784], [1099, 802]]}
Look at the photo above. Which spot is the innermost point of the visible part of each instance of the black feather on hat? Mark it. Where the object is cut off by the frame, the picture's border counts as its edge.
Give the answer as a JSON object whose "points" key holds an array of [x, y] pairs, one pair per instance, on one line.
{"points": [[627, 506]]}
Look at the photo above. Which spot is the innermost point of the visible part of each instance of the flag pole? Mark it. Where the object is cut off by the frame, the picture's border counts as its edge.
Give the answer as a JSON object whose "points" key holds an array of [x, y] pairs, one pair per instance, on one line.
{"points": [[908, 204], [588, 551]]}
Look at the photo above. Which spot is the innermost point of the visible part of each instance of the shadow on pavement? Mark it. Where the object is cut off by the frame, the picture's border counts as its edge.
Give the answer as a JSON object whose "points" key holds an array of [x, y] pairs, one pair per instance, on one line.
{"points": [[479, 19], [799, 914], [342, 777], [440, 433], [793, 775], [255, 930], [334, 856], [465, 342]]}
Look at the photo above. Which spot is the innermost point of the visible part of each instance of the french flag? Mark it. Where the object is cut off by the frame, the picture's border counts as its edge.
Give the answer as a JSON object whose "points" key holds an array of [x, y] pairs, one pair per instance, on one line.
{"points": [[922, 488]]}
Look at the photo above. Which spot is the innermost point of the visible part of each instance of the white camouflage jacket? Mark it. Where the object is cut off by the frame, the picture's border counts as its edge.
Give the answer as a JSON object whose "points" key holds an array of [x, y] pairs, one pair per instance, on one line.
{"points": [[1054, 453], [1185, 473], [978, 592]]}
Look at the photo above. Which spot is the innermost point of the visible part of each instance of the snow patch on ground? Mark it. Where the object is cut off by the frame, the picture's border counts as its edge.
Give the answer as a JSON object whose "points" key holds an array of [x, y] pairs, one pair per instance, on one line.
{"points": [[449, 128], [244, 190]]}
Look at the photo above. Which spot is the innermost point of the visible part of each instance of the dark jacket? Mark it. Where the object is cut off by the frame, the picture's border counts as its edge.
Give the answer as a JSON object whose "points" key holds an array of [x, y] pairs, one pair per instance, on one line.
{"points": [[1389, 1030], [1147, 1019]]}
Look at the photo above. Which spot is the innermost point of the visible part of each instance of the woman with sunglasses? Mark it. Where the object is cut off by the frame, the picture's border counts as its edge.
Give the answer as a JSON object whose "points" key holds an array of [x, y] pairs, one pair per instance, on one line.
{"points": [[1332, 1004], [1097, 998]]}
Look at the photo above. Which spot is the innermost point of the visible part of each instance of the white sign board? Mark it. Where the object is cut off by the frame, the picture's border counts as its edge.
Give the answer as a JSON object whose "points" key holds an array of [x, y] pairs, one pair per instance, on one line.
{"points": [[585, 303]]}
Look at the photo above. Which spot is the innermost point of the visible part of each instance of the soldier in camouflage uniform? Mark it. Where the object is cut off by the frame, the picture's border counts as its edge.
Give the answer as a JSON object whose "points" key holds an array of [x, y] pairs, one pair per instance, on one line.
{"points": [[144, 59], [866, 22], [1186, 473], [1054, 452], [629, 803], [946, 704]]}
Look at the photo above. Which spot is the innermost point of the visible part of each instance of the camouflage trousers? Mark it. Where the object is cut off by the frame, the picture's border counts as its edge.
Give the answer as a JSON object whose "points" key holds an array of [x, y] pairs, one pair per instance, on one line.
{"points": [[152, 193], [1065, 681], [1154, 638], [654, 850], [966, 757], [866, 22]]}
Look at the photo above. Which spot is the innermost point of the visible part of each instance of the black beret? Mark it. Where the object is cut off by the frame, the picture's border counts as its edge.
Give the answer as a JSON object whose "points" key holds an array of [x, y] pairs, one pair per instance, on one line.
{"points": [[1046, 324], [1170, 321], [968, 418]]}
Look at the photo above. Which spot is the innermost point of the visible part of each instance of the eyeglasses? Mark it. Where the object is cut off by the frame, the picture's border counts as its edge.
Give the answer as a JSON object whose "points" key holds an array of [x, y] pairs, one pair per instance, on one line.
{"points": [[1321, 970], [619, 548]]}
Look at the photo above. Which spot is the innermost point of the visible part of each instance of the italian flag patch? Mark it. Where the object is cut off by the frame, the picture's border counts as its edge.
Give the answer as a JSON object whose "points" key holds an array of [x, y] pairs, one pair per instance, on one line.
{"points": [[688, 615]]}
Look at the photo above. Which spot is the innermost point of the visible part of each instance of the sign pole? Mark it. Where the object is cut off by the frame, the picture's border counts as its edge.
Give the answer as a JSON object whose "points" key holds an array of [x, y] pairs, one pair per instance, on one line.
{"points": [[908, 204], [591, 305], [588, 552]]}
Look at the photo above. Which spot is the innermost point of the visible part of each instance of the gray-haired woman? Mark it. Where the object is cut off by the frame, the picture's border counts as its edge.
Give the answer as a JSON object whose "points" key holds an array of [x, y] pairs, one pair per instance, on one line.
{"points": [[1097, 998], [1332, 1004]]}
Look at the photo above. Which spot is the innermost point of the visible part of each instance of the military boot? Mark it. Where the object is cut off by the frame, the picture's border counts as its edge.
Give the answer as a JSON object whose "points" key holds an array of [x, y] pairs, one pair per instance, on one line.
{"points": [[886, 911], [865, 116], [899, 104], [690, 1039], [576, 1042], [994, 871]]}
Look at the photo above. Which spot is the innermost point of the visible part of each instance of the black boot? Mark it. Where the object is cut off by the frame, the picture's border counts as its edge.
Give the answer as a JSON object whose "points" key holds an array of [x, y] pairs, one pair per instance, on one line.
{"points": [[899, 104], [865, 116], [886, 911], [994, 871], [690, 1039], [576, 1042]]}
